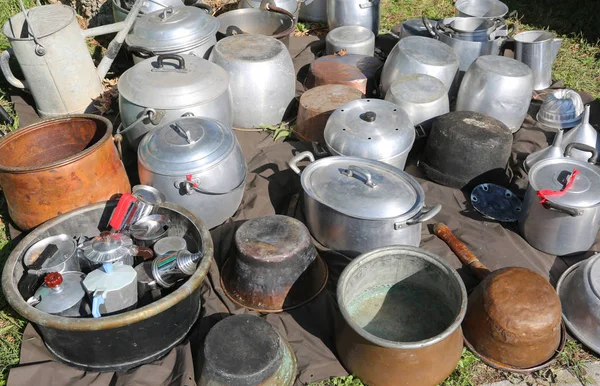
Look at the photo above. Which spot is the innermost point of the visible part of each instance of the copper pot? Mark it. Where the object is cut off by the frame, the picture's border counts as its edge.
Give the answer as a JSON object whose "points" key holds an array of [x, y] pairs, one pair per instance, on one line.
{"points": [[58, 165]]}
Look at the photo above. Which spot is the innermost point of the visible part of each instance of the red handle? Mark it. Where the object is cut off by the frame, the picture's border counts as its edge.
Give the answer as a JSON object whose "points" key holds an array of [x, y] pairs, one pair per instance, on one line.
{"points": [[120, 213]]}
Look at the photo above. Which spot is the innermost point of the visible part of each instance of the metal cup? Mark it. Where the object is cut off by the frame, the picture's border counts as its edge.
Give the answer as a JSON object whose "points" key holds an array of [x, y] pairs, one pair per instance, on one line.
{"points": [[538, 50], [174, 266], [148, 201]]}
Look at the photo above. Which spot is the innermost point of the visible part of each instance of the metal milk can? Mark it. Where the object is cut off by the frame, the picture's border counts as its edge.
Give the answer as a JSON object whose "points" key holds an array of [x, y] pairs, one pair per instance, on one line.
{"points": [[538, 50], [50, 47]]}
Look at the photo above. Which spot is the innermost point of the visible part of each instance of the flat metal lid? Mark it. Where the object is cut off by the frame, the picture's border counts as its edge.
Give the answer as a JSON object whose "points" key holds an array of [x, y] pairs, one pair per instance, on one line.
{"points": [[370, 128], [190, 81], [503, 66], [45, 20], [350, 34], [66, 247], [186, 145], [172, 28], [363, 188], [428, 51], [554, 174], [417, 88], [250, 48]]}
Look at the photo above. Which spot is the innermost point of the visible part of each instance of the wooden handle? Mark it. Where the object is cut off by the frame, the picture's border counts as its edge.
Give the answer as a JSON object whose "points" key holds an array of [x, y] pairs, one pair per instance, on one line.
{"points": [[461, 251]]}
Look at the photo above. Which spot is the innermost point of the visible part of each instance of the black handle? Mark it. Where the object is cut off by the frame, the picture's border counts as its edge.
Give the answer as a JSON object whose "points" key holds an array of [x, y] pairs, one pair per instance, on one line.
{"points": [[565, 209], [5, 118], [140, 51], [203, 6], [428, 26], [178, 58], [368, 116], [582, 147]]}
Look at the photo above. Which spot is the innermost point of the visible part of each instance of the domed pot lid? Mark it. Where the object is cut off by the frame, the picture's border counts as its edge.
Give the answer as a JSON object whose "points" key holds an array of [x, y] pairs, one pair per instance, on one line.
{"points": [[172, 28], [107, 248], [369, 128], [59, 292], [173, 82], [363, 188]]}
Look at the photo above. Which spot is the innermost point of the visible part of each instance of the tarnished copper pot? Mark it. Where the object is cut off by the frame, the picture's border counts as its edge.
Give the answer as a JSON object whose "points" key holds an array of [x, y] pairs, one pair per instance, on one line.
{"points": [[358, 71], [402, 308], [58, 165]]}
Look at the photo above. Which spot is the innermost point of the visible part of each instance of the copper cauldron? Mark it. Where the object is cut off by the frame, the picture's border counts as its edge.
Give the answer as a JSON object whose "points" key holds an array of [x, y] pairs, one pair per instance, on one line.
{"points": [[58, 165]]}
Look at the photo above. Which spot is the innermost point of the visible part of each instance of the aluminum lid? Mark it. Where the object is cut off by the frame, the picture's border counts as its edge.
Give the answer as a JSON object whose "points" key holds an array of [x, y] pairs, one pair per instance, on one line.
{"points": [[553, 174], [562, 109], [428, 51], [417, 89], [173, 84], [106, 249], [172, 28], [186, 145], [350, 35], [66, 295], [363, 188], [45, 20], [66, 247], [250, 48], [369, 128]]}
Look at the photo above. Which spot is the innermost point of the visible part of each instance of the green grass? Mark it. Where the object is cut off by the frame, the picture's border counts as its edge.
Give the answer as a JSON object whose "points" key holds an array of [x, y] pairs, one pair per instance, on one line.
{"points": [[349, 380]]}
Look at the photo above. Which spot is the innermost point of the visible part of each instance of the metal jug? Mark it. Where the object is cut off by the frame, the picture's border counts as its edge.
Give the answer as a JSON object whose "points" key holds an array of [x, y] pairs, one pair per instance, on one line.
{"points": [[538, 50], [112, 288], [50, 47]]}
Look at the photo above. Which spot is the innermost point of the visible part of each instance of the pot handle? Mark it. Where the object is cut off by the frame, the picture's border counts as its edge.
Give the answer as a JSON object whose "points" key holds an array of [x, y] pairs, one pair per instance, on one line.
{"points": [[429, 27], [564, 209], [5, 67], [369, 4], [425, 215], [160, 63], [319, 150], [203, 6], [287, 32], [363, 174], [140, 52], [582, 147], [293, 163], [151, 114]]}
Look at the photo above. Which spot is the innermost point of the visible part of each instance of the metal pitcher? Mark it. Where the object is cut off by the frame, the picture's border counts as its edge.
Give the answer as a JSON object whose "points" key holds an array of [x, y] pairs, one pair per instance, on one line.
{"points": [[538, 50], [51, 50]]}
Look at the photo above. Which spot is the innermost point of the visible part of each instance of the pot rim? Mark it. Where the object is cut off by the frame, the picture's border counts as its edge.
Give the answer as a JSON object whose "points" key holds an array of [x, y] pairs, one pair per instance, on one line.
{"points": [[106, 322], [413, 251], [75, 157]]}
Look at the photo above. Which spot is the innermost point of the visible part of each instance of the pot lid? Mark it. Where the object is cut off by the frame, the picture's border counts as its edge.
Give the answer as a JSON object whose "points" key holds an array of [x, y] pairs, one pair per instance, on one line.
{"points": [[428, 51], [350, 34], [186, 145], [107, 248], [370, 128], [59, 292], [172, 28], [65, 245], [553, 174], [363, 188], [45, 20], [165, 83]]}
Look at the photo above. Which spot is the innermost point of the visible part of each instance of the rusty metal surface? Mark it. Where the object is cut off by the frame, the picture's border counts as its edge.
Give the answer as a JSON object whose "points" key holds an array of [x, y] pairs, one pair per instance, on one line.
{"points": [[461, 251], [514, 317], [358, 71], [58, 165], [317, 104]]}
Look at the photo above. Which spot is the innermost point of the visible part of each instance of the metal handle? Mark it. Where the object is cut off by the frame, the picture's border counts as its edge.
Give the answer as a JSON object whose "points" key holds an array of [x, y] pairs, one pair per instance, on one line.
{"points": [[429, 27], [203, 6], [147, 113], [191, 185], [319, 150], [165, 12], [293, 163], [582, 147], [179, 59], [512, 29], [425, 215], [185, 133], [356, 171], [368, 4], [564, 209], [40, 50], [288, 31], [140, 51], [5, 67]]}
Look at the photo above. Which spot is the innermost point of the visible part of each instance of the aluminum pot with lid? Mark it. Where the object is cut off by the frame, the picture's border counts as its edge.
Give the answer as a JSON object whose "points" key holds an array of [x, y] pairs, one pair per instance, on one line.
{"points": [[197, 163], [373, 129], [159, 90], [562, 204], [62, 295], [121, 8], [354, 205], [173, 30]]}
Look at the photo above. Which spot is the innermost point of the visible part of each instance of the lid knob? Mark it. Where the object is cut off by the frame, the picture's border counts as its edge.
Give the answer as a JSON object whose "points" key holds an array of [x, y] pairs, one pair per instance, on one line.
{"points": [[368, 116], [53, 279]]}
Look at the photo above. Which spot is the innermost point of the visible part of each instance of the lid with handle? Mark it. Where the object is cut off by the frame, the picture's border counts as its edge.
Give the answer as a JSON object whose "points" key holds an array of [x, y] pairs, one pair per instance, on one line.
{"points": [[107, 248], [59, 292], [577, 181], [65, 244], [172, 28], [369, 128], [173, 82], [363, 188]]}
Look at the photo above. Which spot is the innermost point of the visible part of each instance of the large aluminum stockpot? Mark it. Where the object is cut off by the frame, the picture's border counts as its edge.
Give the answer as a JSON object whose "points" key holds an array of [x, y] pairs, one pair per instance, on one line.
{"points": [[263, 79], [353, 12], [195, 162], [498, 87], [480, 8], [354, 205], [373, 129], [420, 55], [270, 21], [161, 89], [173, 30], [353, 39], [402, 308], [565, 223], [119, 342]]}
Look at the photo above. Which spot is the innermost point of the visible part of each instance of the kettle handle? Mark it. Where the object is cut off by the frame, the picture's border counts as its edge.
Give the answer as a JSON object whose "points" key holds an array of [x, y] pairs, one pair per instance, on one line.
{"points": [[428, 26], [582, 147], [5, 67], [293, 163]]}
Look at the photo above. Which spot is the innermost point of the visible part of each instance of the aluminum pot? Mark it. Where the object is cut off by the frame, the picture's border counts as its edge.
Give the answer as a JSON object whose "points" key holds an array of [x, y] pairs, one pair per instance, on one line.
{"points": [[198, 164], [353, 12], [498, 87], [61, 294], [314, 11], [121, 8], [402, 308], [566, 223], [292, 6], [373, 129], [173, 30], [263, 79], [120, 342], [480, 8], [353, 39], [354, 205], [64, 260], [271, 21], [161, 89], [579, 292], [420, 55], [57, 165]]}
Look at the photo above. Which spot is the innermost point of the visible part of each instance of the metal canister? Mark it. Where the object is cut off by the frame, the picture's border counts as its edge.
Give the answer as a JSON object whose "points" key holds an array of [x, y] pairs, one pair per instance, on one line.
{"points": [[148, 200], [358, 71], [172, 267], [169, 244], [148, 289]]}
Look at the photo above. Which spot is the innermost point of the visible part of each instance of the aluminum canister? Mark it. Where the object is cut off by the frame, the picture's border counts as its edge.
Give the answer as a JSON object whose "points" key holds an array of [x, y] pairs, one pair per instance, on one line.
{"points": [[148, 201], [172, 267], [353, 12]]}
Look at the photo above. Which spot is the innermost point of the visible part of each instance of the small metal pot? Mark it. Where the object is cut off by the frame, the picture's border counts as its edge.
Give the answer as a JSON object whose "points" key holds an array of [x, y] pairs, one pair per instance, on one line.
{"points": [[353, 39], [373, 129], [149, 229], [61, 294], [420, 55], [354, 205], [115, 248], [64, 260], [498, 87], [270, 21], [358, 71], [263, 79], [481, 8], [402, 308], [353, 12], [112, 289], [567, 223]]}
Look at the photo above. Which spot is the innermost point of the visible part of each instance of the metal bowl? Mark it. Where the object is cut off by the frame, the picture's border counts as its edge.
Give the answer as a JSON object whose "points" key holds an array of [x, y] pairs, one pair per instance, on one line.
{"points": [[579, 293], [279, 25], [562, 109], [481, 8]]}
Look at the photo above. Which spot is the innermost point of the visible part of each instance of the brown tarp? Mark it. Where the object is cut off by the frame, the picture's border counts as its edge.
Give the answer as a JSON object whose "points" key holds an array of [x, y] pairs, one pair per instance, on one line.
{"points": [[273, 188]]}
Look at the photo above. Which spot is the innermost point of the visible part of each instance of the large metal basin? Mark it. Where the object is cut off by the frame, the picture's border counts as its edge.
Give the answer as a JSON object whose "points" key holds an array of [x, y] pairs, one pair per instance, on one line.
{"points": [[123, 341]]}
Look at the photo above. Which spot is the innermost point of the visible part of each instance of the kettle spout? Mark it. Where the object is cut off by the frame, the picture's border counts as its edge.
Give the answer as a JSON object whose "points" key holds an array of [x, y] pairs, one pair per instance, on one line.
{"points": [[556, 43]]}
